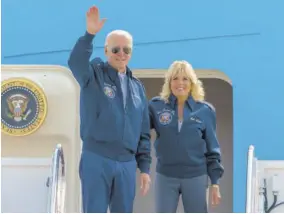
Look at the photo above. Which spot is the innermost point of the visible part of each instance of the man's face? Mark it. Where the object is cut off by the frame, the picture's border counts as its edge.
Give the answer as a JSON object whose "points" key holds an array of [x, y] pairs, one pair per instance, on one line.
{"points": [[118, 51]]}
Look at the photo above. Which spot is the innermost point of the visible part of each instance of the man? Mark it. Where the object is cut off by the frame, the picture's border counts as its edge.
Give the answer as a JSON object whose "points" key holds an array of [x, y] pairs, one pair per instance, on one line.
{"points": [[115, 127]]}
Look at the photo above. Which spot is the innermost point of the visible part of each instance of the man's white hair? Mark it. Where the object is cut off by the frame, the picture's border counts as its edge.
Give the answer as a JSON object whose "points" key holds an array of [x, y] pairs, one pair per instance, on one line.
{"points": [[119, 33]]}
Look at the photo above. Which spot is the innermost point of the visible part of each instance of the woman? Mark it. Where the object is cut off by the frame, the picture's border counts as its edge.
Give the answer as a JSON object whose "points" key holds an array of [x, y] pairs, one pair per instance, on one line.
{"points": [[186, 147]]}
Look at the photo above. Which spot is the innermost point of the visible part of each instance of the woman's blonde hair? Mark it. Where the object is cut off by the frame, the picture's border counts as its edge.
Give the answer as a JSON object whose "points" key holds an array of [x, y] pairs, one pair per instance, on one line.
{"points": [[177, 67]]}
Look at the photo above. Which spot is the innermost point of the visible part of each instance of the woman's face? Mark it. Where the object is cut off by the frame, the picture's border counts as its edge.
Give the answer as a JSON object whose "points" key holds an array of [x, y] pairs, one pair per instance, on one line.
{"points": [[180, 85]]}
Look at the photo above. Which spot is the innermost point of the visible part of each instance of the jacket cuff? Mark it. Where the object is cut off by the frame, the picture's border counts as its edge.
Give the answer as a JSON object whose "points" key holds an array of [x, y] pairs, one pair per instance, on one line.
{"points": [[89, 37], [144, 167], [215, 178]]}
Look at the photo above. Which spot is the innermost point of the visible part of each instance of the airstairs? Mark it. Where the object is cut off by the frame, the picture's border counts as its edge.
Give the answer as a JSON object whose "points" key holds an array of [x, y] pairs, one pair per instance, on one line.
{"points": [[265, 185]]}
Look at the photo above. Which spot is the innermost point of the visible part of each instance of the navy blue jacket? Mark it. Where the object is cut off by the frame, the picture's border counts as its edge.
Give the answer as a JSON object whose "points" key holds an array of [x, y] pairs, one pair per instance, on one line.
{"points": [[107, 128], [192, 151]]}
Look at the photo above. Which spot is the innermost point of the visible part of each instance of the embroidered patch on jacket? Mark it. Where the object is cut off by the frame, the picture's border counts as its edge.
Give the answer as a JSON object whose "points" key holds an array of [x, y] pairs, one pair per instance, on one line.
{"points": [[165, 117], [109, 91]]}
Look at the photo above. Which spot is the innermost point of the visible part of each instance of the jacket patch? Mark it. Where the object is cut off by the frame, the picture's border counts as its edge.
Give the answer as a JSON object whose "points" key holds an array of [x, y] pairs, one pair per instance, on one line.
{"points": [[109, 90], [165, 117]]}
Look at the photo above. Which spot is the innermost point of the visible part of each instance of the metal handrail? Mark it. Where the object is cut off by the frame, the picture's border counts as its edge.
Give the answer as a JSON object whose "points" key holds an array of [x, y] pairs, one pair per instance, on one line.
{"points": [[249, 195], [57, 181]]}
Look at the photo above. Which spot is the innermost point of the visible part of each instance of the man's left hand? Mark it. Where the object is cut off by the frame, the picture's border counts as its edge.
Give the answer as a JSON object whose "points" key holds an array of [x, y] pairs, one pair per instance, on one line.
{"points": [[215, 195], [145, 182]]}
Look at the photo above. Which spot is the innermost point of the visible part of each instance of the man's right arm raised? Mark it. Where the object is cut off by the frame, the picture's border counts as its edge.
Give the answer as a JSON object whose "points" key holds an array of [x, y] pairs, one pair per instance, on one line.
{"points": [[79, 60]]}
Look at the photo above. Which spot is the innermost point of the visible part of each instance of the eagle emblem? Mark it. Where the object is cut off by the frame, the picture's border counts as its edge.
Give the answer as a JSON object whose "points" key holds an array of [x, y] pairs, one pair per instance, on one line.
{"points": [[17, 105]]}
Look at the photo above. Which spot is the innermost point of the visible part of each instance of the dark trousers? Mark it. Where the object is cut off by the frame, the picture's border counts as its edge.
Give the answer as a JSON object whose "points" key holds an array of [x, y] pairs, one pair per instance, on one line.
{"points": [[107, 183]]}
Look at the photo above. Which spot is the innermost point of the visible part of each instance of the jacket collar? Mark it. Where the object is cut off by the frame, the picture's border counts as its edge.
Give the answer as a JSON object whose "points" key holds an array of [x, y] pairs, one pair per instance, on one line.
{"points": [[113, 73], [190, 101]]}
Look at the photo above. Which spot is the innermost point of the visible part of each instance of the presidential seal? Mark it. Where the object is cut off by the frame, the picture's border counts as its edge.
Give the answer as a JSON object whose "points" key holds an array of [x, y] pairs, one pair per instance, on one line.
{"points": [[23, 106]]}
